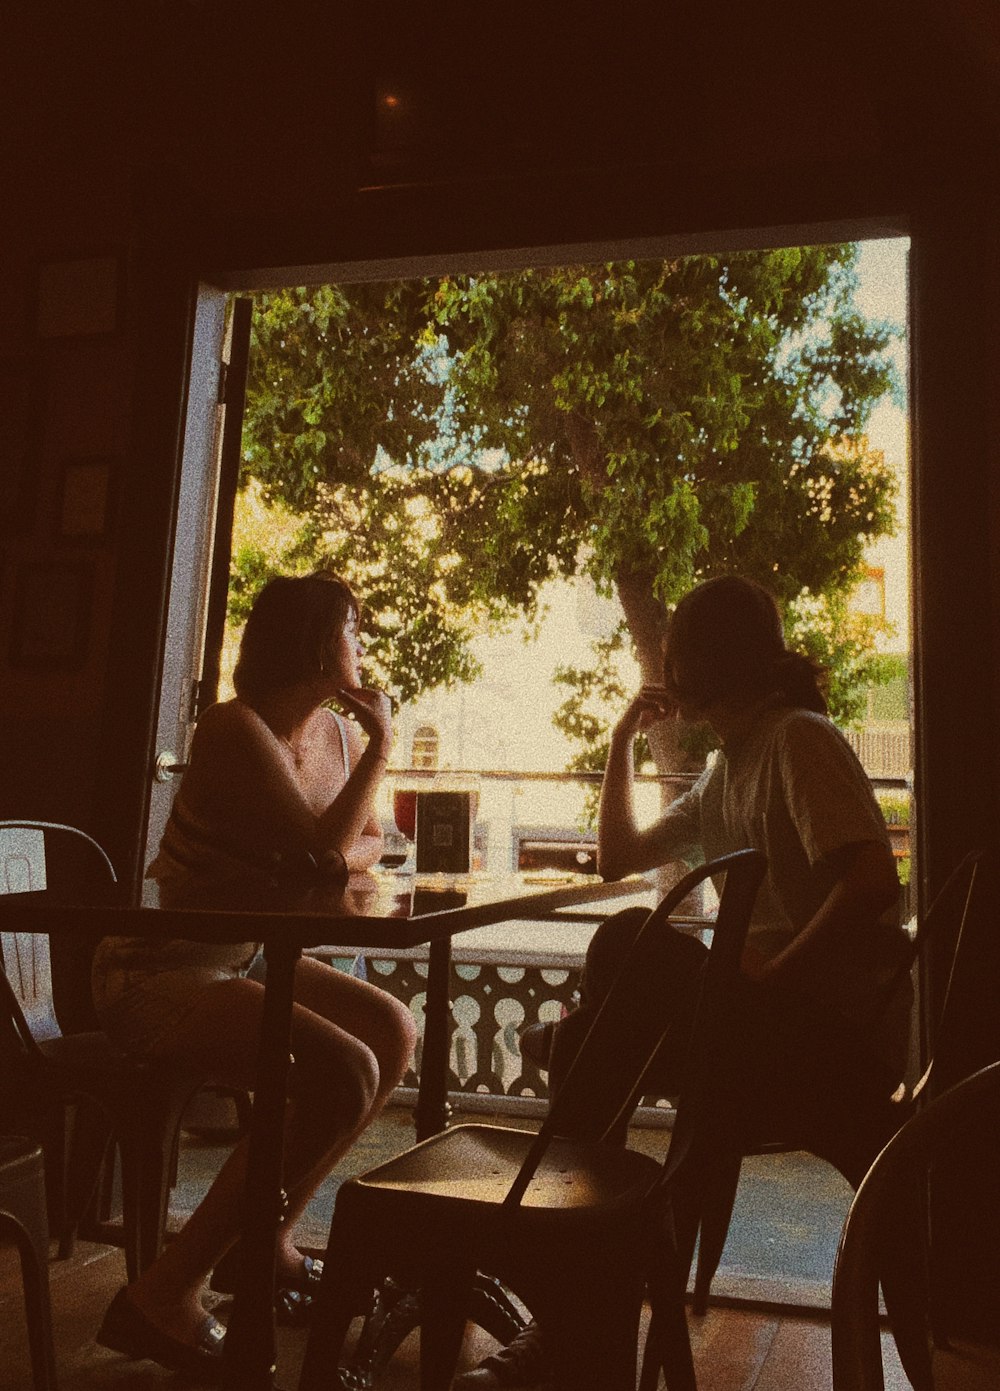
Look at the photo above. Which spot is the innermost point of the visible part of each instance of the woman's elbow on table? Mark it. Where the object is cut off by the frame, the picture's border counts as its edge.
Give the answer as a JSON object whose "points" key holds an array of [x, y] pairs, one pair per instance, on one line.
{"points": [[612, 862]]}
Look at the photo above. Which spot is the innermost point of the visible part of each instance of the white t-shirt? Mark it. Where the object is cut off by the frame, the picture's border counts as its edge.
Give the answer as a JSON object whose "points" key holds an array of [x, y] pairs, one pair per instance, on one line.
{"points": [[794, 788]]}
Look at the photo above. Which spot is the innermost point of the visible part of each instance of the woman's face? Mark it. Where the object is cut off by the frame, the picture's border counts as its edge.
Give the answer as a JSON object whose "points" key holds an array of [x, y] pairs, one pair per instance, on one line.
{"points": [[686, 708], [344, 655]]}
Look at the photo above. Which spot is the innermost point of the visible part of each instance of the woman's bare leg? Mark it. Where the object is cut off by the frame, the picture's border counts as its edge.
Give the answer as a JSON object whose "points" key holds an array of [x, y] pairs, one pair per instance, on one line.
{"points": [[338, 1088], [382, 1023]]}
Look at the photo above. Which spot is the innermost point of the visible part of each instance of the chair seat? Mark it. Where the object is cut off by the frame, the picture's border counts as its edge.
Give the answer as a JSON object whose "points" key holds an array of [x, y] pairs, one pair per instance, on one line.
{"points": [[475, 1165], [439, 1212], [76, 1058], [576, 1228]]}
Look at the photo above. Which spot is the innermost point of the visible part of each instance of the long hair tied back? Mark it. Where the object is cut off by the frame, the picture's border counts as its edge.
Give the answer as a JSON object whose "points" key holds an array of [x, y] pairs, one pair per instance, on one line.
{"points": [[726, 637]]}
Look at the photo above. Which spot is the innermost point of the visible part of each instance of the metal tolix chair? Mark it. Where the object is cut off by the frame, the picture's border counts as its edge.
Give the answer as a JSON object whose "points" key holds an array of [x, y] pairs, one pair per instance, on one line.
{"points": [[75, 1091], [849, 1128], [577, 1227]]}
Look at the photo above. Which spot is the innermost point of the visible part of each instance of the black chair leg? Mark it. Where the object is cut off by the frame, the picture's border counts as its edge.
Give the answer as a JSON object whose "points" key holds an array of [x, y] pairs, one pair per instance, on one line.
{"points": [[344, 1290], [905, 1282], [23, 1217], [159, 1173], [38, 1310], [90, 1150], [443, 1307], [716, 1214], [668, 1345], [591, 1333], [51, 1131], [148, 1157]]}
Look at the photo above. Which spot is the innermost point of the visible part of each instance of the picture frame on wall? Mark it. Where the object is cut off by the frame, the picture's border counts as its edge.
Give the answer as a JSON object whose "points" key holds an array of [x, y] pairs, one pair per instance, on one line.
{"points": [[21, 389], [79, 297], [53, 602], [84, 503]]}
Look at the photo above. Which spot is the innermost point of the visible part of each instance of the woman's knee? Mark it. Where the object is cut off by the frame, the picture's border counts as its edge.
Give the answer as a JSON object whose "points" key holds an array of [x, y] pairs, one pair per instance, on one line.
{"points": [[363, 1010], [669, 954], [401, 1034], [339, 1084], [610, 943], [390, 1031]]}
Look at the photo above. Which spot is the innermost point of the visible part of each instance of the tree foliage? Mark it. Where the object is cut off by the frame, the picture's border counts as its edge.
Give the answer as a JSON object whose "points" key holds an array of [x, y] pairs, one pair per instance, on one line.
{"points": [[453, 444]]}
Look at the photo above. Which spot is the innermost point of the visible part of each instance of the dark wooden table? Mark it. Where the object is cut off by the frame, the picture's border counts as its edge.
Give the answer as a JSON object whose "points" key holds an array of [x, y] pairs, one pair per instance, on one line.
{"points": [[373, 910]]}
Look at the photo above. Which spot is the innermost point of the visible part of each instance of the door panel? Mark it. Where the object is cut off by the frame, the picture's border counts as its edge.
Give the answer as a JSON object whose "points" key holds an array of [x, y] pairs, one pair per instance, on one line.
{"points": [[194, 544], [229, 478]]}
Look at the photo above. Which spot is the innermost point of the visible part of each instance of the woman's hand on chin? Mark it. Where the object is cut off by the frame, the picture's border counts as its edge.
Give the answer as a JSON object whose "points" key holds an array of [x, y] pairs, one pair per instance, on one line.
{"points": [[649, 707], [373, 711]]}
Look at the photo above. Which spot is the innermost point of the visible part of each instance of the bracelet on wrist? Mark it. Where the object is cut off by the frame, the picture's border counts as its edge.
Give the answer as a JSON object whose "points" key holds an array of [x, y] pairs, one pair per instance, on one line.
{"points": [[333, 864]]}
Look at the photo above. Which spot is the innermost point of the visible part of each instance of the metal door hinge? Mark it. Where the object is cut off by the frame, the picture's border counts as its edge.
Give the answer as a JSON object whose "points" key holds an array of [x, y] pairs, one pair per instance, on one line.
{"points": [[190, 704]]}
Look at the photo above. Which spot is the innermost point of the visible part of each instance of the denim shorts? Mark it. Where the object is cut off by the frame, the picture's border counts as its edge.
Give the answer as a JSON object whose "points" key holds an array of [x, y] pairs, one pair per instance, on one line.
{"points": [[141, 1010]]}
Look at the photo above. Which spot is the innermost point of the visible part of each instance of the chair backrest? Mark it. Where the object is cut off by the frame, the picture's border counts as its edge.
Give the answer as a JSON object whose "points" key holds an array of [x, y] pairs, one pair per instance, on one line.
{"points": [[953, 1141], [61, 861], [65, 864], [621, 1042], [945, 924]]}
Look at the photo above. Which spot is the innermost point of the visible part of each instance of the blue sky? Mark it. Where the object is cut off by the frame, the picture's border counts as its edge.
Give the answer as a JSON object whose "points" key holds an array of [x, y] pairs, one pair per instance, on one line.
{"points": [[882, 294]]}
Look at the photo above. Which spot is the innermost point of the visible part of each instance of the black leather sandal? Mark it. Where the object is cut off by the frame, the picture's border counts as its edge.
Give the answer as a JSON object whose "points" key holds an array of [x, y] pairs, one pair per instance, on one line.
{"points": [[126, 1329], [293, 1299]]}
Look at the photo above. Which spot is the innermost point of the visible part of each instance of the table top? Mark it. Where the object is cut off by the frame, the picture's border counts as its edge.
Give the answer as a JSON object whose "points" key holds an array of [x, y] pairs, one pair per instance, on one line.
{"points": [[375, 909], [525, 935]]}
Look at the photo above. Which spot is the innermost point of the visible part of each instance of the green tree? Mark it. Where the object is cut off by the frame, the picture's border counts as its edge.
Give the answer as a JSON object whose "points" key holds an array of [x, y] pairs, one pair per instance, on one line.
{"points": [[343, 418], [453, 444]]}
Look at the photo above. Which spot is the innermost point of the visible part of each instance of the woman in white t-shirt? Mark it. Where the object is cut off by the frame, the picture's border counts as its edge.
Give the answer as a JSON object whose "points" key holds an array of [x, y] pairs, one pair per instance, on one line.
{"points": [[278, 789], [784, 781], [824, 942]]}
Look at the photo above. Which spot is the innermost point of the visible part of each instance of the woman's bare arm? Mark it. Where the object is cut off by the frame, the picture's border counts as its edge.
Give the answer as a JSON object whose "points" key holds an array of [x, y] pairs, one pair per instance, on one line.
{"points": [[349, 816], [622, 847], [370, 843], [866, 885]]}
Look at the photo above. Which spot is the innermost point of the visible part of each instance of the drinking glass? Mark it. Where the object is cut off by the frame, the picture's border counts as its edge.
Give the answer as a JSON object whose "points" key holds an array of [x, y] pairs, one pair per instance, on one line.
{"points": [[404, 813]]}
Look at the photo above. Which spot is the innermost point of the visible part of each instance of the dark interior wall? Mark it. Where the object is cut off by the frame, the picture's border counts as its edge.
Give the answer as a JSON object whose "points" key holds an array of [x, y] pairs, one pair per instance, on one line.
{"points": [[211, 140]]}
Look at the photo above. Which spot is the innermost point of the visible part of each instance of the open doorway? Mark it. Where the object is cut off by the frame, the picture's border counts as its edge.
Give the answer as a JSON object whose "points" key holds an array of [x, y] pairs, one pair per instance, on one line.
{"points": [[487, 552]]}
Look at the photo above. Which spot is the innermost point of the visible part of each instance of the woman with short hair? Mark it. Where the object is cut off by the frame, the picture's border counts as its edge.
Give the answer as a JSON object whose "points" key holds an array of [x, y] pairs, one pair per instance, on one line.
{"points": [[278, 786]]}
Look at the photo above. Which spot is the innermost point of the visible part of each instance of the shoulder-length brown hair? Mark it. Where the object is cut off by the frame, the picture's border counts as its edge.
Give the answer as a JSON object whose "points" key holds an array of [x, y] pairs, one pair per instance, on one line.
{"points": [[294, 621]]}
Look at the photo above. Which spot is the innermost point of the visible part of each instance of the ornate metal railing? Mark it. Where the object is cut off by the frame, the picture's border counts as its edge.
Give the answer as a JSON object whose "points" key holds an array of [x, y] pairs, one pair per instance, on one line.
{"points": [[491, 1001]]}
